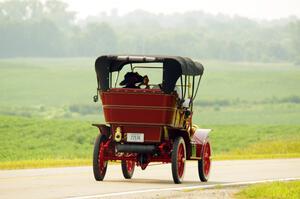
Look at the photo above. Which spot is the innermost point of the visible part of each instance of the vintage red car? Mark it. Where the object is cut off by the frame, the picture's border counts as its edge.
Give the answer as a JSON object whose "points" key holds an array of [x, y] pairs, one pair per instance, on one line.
{"points": [[149, 122]]}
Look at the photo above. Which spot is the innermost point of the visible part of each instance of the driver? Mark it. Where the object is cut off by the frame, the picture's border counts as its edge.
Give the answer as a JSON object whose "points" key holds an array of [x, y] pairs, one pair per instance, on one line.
{"points": [[131, 79]]}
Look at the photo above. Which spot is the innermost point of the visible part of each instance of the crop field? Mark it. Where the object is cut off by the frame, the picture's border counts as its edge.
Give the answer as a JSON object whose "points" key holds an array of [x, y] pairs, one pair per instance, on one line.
{"points": [[46, 110]]}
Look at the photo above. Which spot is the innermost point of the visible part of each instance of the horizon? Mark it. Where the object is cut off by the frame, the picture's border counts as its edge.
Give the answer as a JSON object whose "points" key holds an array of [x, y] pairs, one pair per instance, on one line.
{"points": [[255, 9]]}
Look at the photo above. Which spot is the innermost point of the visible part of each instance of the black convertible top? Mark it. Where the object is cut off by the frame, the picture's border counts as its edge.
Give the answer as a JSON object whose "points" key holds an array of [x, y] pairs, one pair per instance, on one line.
{"points": [[173, 68]]}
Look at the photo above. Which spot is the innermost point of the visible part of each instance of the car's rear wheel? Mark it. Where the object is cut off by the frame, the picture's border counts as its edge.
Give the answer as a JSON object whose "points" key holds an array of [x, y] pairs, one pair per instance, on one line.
{"points": [[178, 160], [99, 164], [205, 163], [127, 168]]}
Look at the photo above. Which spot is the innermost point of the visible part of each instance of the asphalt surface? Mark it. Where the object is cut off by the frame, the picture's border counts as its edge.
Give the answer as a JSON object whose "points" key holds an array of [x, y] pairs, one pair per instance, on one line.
{"points": [[78, 182]]}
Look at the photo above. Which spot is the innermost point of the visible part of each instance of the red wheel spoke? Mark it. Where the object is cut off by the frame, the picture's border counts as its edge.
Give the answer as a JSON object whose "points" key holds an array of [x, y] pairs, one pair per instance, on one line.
{"points": [[101, 161], [130, 165], [127, 166], [206, 159], [180, 161]]}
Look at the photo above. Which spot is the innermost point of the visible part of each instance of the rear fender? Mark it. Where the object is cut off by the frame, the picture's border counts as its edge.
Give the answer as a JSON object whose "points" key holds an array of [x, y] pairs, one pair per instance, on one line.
{"points": [[104, 129]]}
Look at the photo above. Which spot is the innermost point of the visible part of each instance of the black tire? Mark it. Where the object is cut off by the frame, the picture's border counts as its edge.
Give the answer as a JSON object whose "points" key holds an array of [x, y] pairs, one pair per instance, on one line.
{"points": [[99, 167], [127, 168], [178, 160], [204, 164]]}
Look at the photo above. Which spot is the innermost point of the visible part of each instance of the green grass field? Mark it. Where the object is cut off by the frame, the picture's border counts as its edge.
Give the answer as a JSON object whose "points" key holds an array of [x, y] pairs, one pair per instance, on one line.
{"points": [[46, 110], [25, 140], [275, 190]]}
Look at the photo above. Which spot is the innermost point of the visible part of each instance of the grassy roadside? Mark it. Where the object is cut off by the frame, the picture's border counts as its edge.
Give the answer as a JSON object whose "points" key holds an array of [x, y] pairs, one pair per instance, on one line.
{"points": [[287, 148], [46, 163], [275, 190]]}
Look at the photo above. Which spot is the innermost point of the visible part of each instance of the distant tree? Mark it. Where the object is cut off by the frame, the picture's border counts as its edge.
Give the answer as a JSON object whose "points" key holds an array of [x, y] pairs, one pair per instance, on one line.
{"points": [[48, 28], [97, 38], [47, 39], [13, 10], [33, 28], [295, 41], [36, 10], [57, 12]]}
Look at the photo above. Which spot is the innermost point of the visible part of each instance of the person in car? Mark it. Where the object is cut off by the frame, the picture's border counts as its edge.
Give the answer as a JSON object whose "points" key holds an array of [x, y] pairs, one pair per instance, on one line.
{"points": [[134, 80], [145, 82]]}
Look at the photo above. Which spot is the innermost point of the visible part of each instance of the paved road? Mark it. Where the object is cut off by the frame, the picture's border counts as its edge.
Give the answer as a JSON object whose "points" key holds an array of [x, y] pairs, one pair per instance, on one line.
{"points": [[78, 182]]}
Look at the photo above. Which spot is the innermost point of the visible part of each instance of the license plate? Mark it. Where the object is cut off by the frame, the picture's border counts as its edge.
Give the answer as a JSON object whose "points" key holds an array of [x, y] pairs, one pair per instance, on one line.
{"points": [[135, 137]]}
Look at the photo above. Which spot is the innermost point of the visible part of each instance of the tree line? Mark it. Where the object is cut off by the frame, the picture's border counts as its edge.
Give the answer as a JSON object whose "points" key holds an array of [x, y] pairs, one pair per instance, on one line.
{"points": [[31, 28]]}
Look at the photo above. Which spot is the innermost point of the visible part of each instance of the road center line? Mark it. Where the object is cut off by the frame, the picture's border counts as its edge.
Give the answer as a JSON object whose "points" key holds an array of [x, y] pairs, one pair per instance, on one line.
{"points": [[183, 188]]}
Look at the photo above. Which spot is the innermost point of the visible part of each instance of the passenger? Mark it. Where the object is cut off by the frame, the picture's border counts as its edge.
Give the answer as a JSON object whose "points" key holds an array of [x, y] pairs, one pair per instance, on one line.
{"points": [[145, 82], [131, 79]]}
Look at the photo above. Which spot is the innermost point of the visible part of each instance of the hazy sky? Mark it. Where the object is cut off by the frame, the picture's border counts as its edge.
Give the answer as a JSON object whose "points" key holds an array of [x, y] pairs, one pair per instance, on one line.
{"points": [[257, 9]]}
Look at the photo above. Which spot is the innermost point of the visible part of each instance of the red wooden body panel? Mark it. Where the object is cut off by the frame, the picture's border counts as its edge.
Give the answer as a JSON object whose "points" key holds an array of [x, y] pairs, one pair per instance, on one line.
{"points": [[138, 106], [137, 97], [135, 115]]}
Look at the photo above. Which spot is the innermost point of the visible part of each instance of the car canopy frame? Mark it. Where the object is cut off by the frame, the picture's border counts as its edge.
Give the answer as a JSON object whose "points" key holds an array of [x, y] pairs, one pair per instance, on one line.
{"points": [[173, 68]]}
